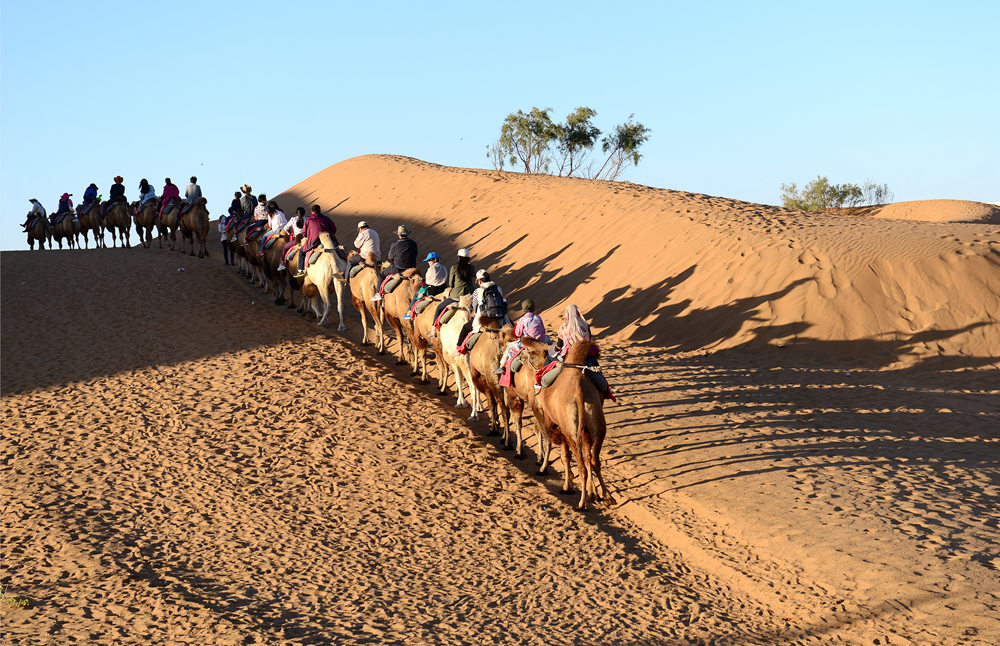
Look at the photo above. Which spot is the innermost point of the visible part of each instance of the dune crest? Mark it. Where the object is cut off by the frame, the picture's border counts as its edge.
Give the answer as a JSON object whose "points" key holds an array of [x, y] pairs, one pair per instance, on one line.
{"points": [[687, 271]]}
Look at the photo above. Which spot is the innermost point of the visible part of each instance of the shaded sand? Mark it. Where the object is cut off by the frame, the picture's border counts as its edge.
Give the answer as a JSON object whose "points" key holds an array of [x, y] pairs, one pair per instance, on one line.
{"points": [[805, 449], [240, 477]]}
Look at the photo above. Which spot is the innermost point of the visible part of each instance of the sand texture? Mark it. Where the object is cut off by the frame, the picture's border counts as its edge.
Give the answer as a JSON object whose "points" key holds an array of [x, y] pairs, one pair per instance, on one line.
{"points": [[806, 447]]}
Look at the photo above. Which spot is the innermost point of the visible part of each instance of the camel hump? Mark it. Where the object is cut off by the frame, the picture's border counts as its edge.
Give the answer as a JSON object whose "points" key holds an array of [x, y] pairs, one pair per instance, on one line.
{"points": [[411, 272]]}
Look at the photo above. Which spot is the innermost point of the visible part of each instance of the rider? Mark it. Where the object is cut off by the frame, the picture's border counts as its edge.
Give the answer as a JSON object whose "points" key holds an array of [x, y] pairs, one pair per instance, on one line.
{"points": [[146, 192], [236, 207], [260, 211], [36, 209], [276, 221], [434, 281], [480, 307], [529, 325], [367, 243], [460, 276], [247, 202], [193, 191], [315, 225], [402, 254], [170, 194], [574, 328], [116, 194], [65, 206], [294, 229], [89, 195]]}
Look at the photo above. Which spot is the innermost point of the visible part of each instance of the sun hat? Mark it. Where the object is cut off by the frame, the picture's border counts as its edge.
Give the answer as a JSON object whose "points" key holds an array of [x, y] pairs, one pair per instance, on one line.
{"points": [[480, 274], [463, 253], [528, 305], [65, 195], [246, 188], [402, 231], [431, 256], [119, 179], [362, 224]]}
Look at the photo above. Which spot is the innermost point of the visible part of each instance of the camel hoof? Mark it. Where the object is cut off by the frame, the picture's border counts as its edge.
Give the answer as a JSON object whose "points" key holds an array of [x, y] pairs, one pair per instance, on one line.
{"points": [[473, 418], [459, 404], [342, 328]]}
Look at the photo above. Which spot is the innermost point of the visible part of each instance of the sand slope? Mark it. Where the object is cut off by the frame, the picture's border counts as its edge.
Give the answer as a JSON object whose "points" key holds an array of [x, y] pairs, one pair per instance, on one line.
{"points": [[685, 271]]}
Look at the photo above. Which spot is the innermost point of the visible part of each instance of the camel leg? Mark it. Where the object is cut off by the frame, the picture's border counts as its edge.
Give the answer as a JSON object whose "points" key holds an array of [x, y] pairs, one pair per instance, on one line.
{"points": [[324, 293], [567, 468], [338, 290], [544, 443]]}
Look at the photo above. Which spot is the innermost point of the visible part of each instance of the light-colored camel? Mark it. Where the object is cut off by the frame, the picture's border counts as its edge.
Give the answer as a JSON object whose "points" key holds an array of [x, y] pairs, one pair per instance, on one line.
{"points": [[484, 359], [364, 286], [574, 420], [67, 228], [38, 229], [327, 274], [194, 224], [90, 220], [168, 221], [145, 221], [459, 363], [522, 393], [118, 221], [395, 305]]}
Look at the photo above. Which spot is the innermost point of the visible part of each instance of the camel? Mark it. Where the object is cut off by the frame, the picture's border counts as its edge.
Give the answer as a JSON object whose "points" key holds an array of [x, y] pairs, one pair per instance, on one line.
{"points": [[521, 392], [90, 220], [395, 305], [329, 271], [574, 420], [484, 359], [270, 262], [459, 363], [119, 223], [421, 340], [38, 229], [363, 287], [168, 222], [195, 223], [294, 284], [145, 220], [67, 228]]}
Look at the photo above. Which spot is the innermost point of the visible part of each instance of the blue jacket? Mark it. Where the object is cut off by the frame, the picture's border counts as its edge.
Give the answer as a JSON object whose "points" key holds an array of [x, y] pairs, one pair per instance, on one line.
{"points": [[90, 194]]}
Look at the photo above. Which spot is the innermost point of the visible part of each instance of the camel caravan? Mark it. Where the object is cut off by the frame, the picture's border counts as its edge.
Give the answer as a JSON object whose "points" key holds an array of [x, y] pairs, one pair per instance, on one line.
{"points": [[456, 318], [115, 216]]}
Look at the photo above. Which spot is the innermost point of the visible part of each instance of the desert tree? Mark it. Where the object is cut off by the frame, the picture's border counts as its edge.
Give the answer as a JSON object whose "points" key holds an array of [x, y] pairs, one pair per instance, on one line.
{"points": [[576, 139], [527, 137], [622, 147], [819, 195]]}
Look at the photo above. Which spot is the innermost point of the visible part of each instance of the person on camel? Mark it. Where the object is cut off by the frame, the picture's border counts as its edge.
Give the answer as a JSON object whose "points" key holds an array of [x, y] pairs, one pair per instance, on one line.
{"points": [[276, 221], [460, 282], [192, 192], [65, 206], [315, 225], [260, 211], [487, 301], [294, 228], [574, 329], [170, 194], [529, 325], [247, 201], [367, 243], [402, 254], [89, 195], [236, 207], [146, 192], [116, 194], [36, 209], [434, 281]]}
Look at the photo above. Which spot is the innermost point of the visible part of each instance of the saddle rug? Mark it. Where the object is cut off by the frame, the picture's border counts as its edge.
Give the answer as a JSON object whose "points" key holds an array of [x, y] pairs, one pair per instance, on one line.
{"points": [[60, 217], [269, 240], [422, 305], [315, 256], [85, 209], [549, 377], [185, 209], [355, 270], [390, 283]]}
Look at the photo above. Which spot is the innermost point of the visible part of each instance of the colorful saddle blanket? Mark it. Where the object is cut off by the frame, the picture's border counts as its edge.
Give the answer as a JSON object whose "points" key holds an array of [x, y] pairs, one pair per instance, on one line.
{"points": [[270, 240], [422, 304], [186, 208], [448, 308], [62, 216], [255, 230], [84, 209], [547, 376]]}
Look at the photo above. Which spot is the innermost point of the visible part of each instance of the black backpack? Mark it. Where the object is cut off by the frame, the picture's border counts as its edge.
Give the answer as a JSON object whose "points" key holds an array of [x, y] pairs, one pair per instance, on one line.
{"points": [[494, 306]]}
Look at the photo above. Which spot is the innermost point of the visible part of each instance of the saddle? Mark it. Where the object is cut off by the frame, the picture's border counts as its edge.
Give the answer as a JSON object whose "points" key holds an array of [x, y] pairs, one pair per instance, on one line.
{"points": [[355, 270], [315, 256], [390, 283], [446, 313], [254, 230], [85, 209], [550, 371], [61, 216], [185, 209], [269, 241], [422, 304]]}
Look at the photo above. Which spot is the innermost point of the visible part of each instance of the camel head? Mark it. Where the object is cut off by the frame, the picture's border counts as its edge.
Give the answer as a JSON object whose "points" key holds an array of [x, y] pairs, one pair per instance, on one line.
{"points": [[534, 352], [326, 240], [201, 201]]}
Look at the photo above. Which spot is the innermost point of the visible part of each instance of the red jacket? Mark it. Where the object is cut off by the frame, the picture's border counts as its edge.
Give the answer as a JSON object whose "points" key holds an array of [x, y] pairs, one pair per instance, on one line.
{"points": [[316, 224]]}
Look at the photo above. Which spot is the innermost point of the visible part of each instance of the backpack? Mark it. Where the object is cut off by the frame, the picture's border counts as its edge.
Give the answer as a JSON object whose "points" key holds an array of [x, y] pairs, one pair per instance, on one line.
{"points": [[494, 306]]}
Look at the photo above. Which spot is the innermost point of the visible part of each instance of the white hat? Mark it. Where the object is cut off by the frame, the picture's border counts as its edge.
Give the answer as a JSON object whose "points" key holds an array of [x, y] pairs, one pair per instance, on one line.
{"points": [[480, 274], [463, 253], [362, 224]]}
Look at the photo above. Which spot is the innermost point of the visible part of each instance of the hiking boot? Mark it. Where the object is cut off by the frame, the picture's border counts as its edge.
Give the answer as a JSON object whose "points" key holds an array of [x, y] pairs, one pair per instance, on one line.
{"points": [[406, 317], [281, 267], [498, 371], [299, 274]]}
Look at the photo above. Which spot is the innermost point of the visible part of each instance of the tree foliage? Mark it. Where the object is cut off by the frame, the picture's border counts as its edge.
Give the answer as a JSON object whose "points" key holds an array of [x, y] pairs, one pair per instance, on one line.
{"points": [[535, 142], [819, 195]]}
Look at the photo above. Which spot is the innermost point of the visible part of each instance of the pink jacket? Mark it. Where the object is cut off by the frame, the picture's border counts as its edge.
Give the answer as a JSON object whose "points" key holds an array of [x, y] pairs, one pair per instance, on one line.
{"points": [[170, 191]]}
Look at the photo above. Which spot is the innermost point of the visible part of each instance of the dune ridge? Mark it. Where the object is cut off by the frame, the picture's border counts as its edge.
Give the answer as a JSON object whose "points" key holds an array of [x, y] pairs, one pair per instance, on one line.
{"points": [[687, 271]]}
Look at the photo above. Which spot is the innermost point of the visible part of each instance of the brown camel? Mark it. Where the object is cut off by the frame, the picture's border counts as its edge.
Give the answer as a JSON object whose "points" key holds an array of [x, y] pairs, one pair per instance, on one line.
{"points": [[270, 262], [364, 286], [119, 222], [484, 359], [574, 420], [168, 221], [295, 284], [421, 341], [395, 305], [90, 221], [38, 229], [67, 228], [195, 223], [145, 220], [521, 392]]}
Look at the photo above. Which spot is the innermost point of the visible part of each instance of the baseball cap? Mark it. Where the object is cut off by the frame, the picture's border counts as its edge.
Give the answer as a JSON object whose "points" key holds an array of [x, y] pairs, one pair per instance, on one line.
{"points": [[431, 256]]}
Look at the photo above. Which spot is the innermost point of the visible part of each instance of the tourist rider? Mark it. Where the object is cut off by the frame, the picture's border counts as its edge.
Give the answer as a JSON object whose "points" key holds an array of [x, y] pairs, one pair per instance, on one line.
{"points": [[487, 301], [461, 276], [276, 220], [294, 229], [402, 254], [236, 206], [116, 194], [247, 201], [36, 209], [193, 191], [367, 244], [89, 195], [65, 206], [260, 211], [315, 225], [146, 192], [529, 325], [170, 194], [434, 281], [574, 328]]}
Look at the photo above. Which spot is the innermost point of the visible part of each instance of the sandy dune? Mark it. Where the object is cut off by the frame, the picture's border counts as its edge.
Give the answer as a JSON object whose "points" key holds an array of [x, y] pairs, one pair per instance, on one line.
{"points": [[806, 446]]}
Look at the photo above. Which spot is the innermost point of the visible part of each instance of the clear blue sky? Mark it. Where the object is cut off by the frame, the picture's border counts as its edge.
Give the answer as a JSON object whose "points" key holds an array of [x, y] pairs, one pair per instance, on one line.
{"points": [[741, 97]]}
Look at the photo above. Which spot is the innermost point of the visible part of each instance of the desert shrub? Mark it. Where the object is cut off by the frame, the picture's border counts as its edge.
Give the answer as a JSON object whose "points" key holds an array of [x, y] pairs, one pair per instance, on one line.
{"points": [[819, 195]]}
